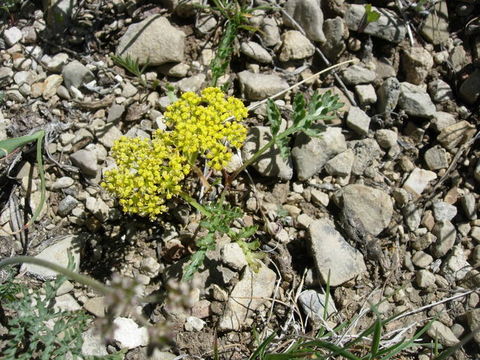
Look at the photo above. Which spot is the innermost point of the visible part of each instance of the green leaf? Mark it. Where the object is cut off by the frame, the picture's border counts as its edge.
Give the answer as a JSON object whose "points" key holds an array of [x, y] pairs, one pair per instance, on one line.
{"points": [[196, 261], [274, 117], [371, 15], [282, 145], [206, 242], [298, 109]]}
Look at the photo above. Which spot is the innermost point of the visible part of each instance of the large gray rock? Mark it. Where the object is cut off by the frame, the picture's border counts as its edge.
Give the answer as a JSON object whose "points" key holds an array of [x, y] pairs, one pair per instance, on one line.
{"points": [[335, 32], [388, 94], [249, 293], [417, 63], [271, 163], [435, 26], [473, 320], [332, 255], [311, 154], [367, 152], [57, 254], [442, 334], [308, 14], [153, 41], [260, 86], [358, 121], [372, 208], [358, 74], [256, 52], [86, 161], [415, 101], [389, 26], [76, 74], [314, 305], [295, 46], [446, 235]]}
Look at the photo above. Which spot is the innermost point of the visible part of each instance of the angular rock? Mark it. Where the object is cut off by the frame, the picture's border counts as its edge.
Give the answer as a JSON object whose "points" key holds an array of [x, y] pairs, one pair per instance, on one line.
{"points": [[435, 26], [371, 208], [335, 32], [51, 85], [128, 334], [469, 205], [311, 154], [456, 266], [341, 164], [470, 88], [417, 63], [295, 46], [421, 259], [415, 101], [358, 121], [456, 134], [66, 206], [440, 91], [442, 334], [249, 293], [76, 74], [442, 119], [436, 158], [308, 14], [96, 306], [443, 211], [389, 26], [314, 304], [108, 135], [473, 320], [12, 35], [256, 52], [86, 161], [418, 180], [233, 256], [388, 94], [386, 138], [366, 153], [425, 279], [366, 94], [153, 41], [193, 83], [57, 254], [358, 74], [260, 86], [93, 343], [271, 163], [333, 257], [270, 32], [446, 235], [55, 63]]}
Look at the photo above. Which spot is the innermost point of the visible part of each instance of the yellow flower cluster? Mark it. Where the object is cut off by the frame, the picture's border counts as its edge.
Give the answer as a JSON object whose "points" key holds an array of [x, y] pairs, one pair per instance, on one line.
{"points": [[208, 125], [149, 172]]}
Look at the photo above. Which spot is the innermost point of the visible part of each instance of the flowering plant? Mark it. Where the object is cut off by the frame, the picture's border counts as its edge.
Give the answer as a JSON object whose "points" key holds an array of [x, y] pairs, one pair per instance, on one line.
{"points": [[151, 171]]}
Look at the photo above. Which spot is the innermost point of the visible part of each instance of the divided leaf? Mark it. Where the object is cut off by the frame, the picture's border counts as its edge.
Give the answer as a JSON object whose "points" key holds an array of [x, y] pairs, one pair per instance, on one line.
{"points": [[274, 117]]}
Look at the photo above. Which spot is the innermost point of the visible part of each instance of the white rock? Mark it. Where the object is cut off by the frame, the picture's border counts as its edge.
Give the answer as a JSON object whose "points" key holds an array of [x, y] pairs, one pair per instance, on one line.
{"points": [[194, 324], [358, 121], [57, 254], [154, 41], [366, 94], [256, 52], [55, 63], [333, 257], [66, 302], [12, 35], [128, 334], [253, 290], [308, 14], [443, 211], [417, 63], [295, 46], [442, 333], [418, 180], [425, 279], [386, 138], [341, 164], [93, 343], [51, 85], [233, 256], [260, 86]]}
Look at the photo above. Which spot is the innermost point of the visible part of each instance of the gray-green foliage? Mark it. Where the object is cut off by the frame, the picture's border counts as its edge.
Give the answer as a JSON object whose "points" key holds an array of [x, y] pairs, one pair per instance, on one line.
{"points": [[305, 117], [37, 330], [218, 222]]}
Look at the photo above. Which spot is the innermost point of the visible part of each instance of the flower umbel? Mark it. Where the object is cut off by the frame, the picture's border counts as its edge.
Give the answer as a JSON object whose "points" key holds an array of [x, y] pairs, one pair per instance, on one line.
{"points": [[207, 125], [151, 171]]}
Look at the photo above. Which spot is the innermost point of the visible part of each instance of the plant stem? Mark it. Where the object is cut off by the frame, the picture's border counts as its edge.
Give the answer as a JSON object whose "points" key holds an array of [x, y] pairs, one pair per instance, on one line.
{"points": [[194, 203], [262, 150], [94, 284]]}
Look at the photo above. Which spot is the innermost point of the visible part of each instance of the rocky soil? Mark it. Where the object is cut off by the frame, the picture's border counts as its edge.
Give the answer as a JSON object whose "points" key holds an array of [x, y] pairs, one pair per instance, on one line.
{"points": [[384, 204]]}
